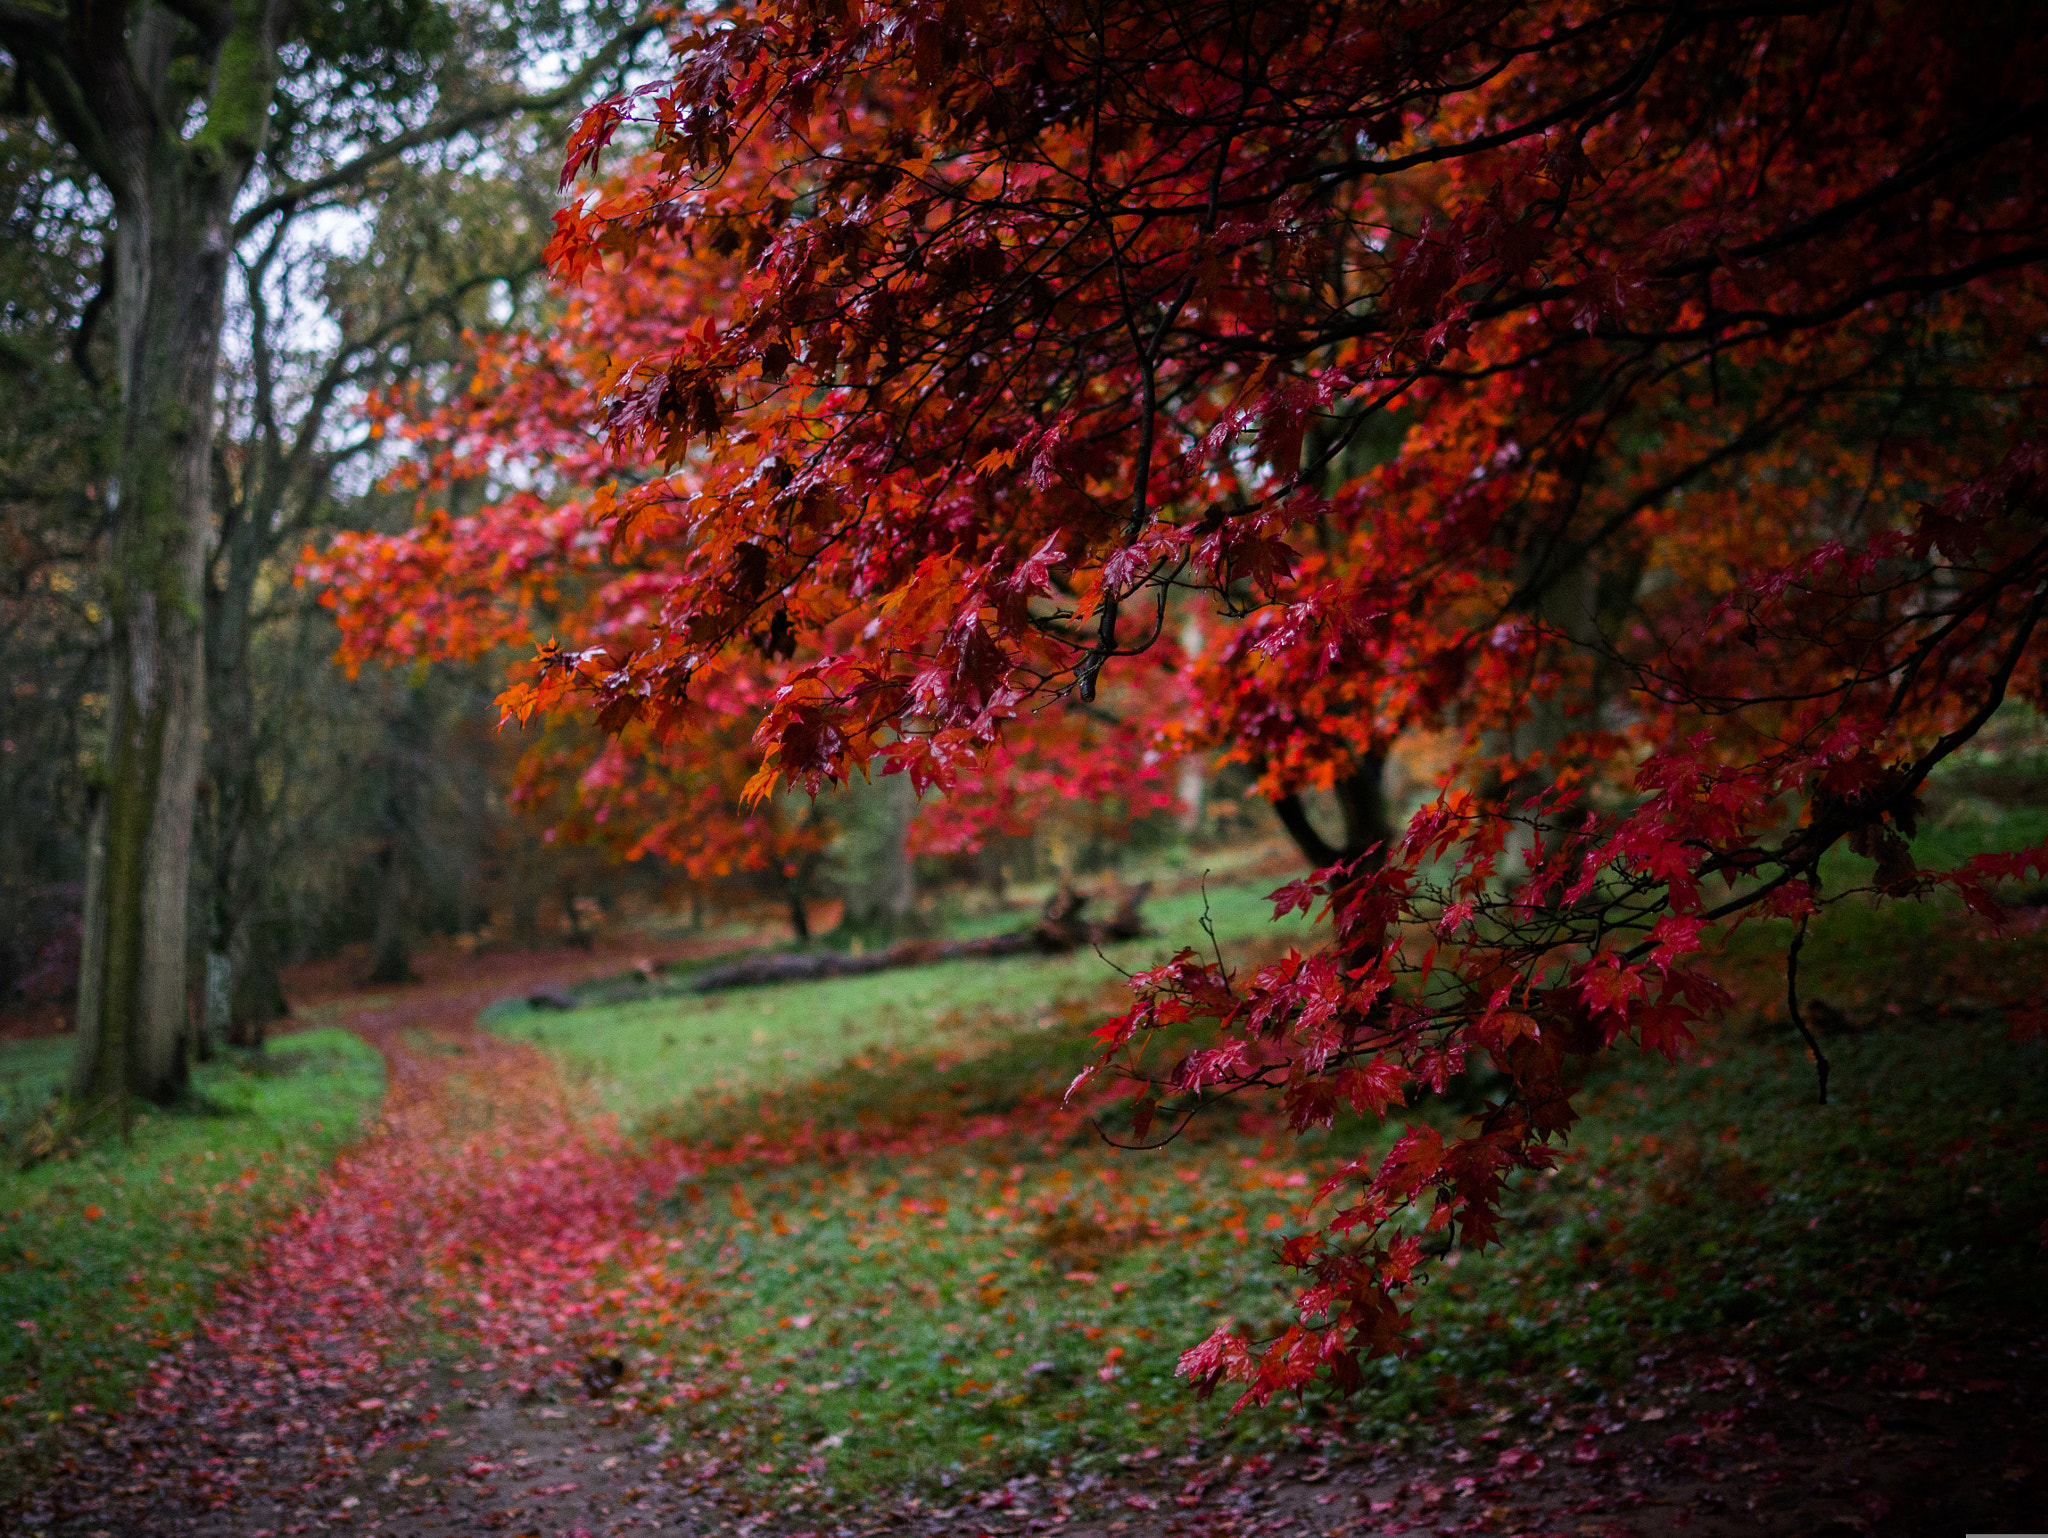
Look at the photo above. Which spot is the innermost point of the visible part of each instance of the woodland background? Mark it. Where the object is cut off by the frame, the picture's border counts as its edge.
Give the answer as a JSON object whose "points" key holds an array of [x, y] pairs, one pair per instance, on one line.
{"points": [[1555, 481], [348, 817]]}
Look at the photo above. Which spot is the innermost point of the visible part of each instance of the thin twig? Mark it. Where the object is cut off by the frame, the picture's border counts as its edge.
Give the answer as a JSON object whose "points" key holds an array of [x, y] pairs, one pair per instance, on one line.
{"points": [[1209, 929], [1820, 1061]]}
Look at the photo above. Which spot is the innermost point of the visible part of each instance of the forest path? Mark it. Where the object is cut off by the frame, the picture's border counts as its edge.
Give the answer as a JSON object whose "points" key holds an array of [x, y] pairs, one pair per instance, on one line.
{"points": [[493, 1206], [489, 1451], [314, 1400]]}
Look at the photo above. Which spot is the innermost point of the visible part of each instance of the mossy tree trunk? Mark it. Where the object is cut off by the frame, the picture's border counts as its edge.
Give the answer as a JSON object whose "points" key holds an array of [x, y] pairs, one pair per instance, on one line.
{"points": [[240, 850], [115, 81], [171, 318]]}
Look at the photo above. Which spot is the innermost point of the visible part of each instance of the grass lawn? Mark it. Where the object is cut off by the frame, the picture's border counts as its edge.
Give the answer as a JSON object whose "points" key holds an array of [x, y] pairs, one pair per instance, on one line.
{"points": [[908, 1267], [109, 1253], [641, 1057]]}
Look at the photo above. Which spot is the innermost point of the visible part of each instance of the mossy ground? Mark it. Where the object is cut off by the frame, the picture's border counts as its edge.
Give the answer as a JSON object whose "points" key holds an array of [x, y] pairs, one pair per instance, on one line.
{"points": [[1000, 1290], [111, 1250]]}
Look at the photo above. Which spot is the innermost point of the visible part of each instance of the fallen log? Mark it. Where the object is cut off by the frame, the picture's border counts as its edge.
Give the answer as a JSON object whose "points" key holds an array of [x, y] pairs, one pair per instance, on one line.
{"points": [[1060, 928]]}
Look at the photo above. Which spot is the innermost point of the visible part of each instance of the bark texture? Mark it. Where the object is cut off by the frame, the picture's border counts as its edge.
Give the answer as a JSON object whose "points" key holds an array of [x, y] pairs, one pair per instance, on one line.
{"points": [[174, 161], [1362, 801], [240, 852]]}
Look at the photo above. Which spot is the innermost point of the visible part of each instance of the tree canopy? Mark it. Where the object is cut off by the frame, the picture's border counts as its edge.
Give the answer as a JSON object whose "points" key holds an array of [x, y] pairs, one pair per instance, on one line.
{"points": [[1640, 401]]}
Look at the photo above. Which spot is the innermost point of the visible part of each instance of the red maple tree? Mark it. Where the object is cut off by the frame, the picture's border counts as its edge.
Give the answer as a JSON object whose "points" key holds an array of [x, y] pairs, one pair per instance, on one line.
{"points": [[1642, 398], [531, 561]]}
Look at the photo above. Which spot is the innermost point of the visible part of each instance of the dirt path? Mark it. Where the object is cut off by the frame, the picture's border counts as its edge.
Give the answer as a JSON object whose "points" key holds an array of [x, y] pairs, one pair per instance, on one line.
{"points": [[312, 1403], [308, 1403]]}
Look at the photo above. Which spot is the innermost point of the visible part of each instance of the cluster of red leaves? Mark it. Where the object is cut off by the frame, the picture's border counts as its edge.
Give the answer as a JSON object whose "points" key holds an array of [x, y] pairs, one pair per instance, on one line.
{"points": [[672, 771], [1638, 400]]}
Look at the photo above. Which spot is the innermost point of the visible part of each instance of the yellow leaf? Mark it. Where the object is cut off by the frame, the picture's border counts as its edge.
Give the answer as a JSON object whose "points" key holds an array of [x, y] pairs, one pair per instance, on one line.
{"points": [[761, 786]]}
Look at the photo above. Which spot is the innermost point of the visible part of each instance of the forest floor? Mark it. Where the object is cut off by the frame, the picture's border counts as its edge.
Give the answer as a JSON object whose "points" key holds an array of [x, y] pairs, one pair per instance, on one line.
{"points": [[768, 1264]]}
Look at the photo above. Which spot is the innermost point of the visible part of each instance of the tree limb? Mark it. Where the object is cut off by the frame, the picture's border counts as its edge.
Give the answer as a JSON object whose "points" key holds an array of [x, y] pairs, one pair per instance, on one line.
{"points": [[43, 58], [351, 172], [1361, 797]]}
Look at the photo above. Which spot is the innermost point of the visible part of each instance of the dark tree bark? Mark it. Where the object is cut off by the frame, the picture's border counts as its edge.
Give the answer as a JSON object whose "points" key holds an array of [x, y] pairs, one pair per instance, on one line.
{"points": [[256, 992], [240, 850], [112, 79], [391, 946], [410, 738], [1362, 801], [578, 935], [525, 905], [799, 913]]}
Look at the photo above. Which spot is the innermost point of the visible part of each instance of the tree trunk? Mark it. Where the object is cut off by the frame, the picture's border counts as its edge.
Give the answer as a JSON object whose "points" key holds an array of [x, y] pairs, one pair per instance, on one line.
{"points": [[878, 879], [579, 937], [1582, 604], [91, 1061], [799, 914], [408, 748], [896, 882], [172, 263], [174, 176], [1362, 798], [240, 844], [256, 991], [391, 949], [525, 905]]}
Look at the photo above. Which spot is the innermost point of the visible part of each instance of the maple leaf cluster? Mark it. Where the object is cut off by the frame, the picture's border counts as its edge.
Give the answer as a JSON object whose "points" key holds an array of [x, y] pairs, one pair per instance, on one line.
{"points": [[1641, 402]]}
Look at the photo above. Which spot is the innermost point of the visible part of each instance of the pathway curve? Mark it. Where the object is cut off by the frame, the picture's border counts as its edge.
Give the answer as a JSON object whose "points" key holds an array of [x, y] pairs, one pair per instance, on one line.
{"points": [[310, 1401], [492, 1208]]}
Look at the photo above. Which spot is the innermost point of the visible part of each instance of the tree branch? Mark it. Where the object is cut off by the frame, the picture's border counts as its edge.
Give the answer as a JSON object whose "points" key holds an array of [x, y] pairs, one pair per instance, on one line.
{"points": [[351, 172], [1293, 816], [1820, 1058], [43, 56]]}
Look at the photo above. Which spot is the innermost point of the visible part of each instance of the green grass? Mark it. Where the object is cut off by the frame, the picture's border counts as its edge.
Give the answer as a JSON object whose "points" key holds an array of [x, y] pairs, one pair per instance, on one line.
{"points": [[972, 1312], [643, 1056], [109, 1253], [917, 1275], [949, 1315], [1715, 1204], [30, 1073]]}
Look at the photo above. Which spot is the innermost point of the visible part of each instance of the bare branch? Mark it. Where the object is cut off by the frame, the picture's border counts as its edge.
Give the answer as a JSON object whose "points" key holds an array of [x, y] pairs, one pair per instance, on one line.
{"points": [[479, 115]]}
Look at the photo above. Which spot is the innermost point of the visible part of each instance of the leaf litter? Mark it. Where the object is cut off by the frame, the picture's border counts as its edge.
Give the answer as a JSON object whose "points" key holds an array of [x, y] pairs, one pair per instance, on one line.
{"points": [[480, 1326]]}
